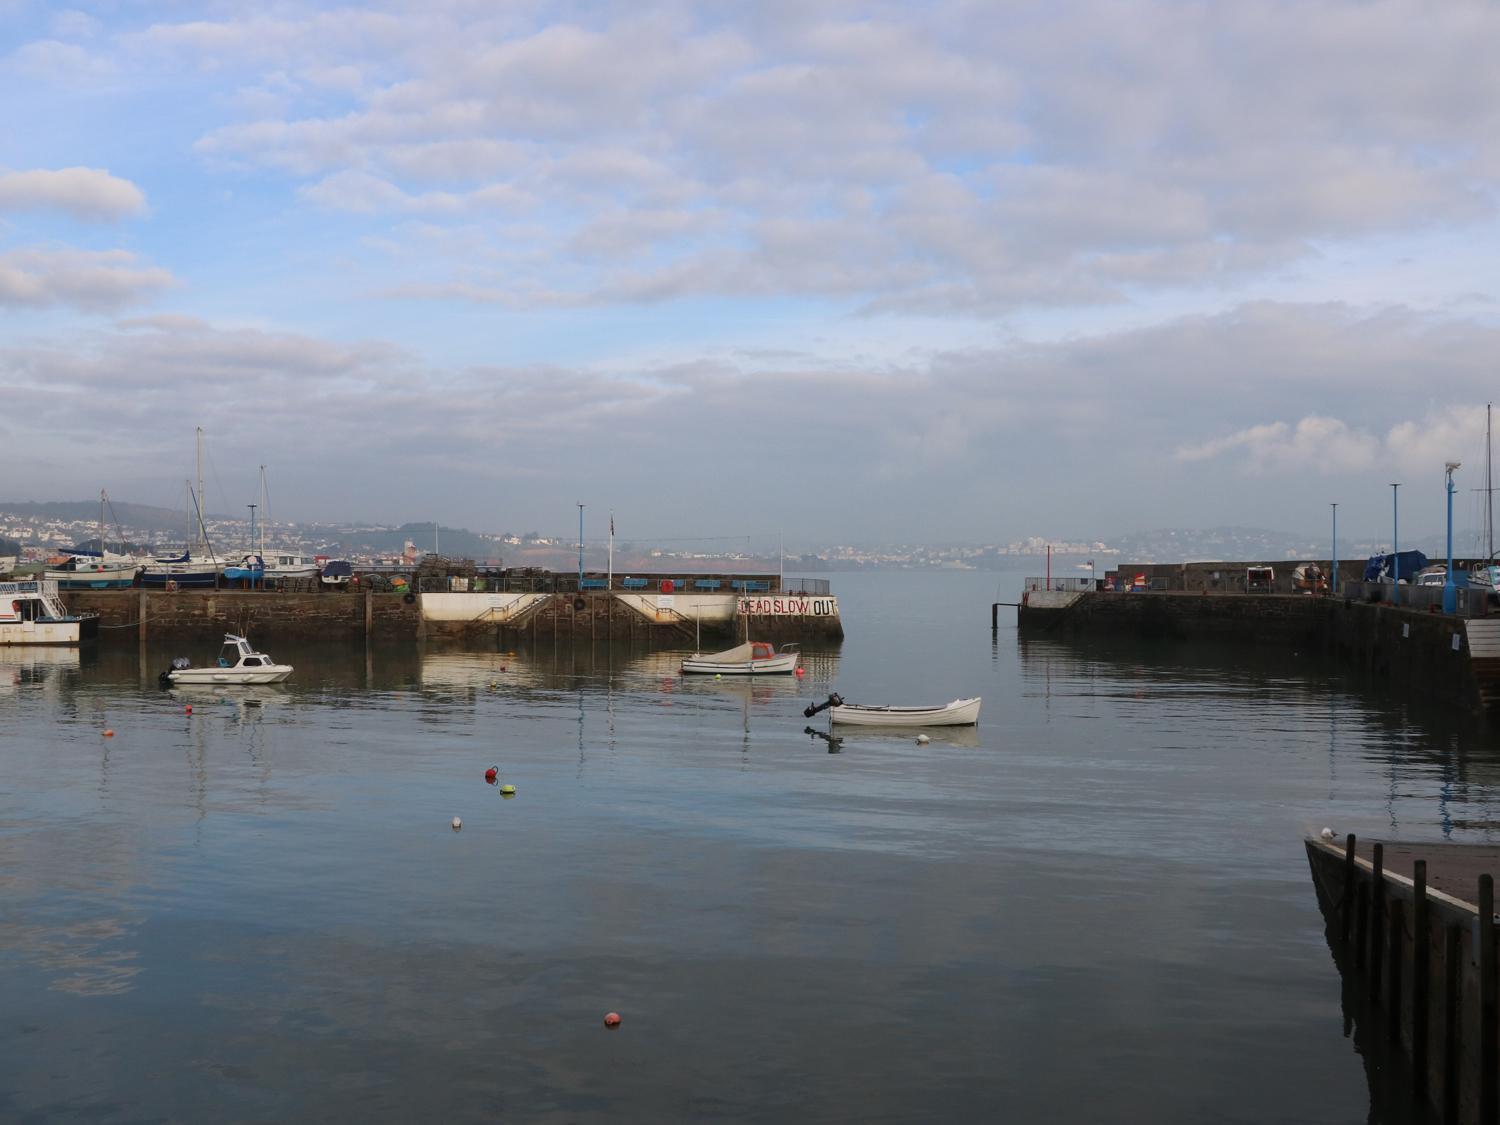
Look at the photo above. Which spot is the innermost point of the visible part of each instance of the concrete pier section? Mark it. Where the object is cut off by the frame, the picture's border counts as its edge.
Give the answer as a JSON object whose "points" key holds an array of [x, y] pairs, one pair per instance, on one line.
{"points": [[664, 615], [1443, 656]]}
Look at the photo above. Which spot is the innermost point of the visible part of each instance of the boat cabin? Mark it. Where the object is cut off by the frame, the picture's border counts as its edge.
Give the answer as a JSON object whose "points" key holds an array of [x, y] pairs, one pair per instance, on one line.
{"points": [[237, 653], [31, 601], [759, 650]]}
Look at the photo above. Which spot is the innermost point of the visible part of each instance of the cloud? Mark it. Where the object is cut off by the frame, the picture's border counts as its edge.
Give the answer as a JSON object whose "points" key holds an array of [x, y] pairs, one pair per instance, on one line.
{"points": [[85, 193], [1313, 444], [882, 437], [89, 280], [1081, 156]]}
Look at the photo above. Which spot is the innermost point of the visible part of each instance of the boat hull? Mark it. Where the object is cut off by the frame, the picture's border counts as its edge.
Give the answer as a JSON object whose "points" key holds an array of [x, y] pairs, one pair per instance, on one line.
{"points": [[959, 713], [783, 663], [219, 677], [69, 580], [159, 579]]}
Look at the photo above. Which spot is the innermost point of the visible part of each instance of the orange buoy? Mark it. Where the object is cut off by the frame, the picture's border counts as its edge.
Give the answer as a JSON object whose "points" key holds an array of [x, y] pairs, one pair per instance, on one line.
{"points": [[109, 734], [799, 671], [612, 1019]]}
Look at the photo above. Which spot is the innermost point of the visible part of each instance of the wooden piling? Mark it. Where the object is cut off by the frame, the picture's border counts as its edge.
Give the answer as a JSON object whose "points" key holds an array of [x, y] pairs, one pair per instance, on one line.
{"points": [[1377, 919], [1452, 1019], [1489, 1063], [1346, 906], [1396, 915], [1421, 968], [1361, 924]]}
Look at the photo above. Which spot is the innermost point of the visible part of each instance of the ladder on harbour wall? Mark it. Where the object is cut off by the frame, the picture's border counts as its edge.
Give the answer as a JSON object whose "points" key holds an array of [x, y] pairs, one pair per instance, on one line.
{"points": [[1484, 658]]}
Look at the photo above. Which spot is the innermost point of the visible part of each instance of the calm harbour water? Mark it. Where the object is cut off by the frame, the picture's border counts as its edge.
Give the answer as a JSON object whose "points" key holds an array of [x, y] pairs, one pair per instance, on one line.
{"points": [[1094, 908]]}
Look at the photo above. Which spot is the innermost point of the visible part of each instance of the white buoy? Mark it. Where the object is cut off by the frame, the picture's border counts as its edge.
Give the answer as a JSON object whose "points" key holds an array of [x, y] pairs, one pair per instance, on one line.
{"points": [[923, 740], [1327, 833], [457, 824]]}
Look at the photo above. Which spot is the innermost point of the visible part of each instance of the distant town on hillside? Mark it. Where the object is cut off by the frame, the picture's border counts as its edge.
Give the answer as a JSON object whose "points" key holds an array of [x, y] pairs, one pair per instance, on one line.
{"points": [[33, 530]]}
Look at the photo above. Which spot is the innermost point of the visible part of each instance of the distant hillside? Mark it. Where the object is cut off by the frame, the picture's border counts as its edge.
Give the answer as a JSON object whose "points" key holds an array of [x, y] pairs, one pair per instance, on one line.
{"points": [[133, 515], [1235, 544]]}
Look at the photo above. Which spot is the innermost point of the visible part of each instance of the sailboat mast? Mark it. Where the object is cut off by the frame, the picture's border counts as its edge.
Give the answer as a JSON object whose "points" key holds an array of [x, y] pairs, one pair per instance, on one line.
{"points": [[1489, 489], [101, 527], [264, 513], [200, 482]]}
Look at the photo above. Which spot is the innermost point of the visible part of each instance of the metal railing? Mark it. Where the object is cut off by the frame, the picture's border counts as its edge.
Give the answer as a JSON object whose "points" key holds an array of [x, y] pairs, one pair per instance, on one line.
{"points": [[811, 587], [1060, 584]]}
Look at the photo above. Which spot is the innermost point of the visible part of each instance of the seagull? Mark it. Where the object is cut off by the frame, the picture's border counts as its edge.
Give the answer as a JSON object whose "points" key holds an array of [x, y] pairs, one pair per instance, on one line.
{"points": [[1327, 833]]}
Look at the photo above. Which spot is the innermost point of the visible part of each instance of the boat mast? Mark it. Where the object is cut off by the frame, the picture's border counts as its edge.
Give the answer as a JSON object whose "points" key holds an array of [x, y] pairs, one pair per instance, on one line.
{"points": [[199, 501], [264, 513], [101, 527], [1489, 490]]}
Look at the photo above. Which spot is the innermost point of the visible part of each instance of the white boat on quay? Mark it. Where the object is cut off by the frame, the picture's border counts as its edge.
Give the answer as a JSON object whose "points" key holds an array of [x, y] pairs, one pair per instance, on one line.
{"points": [[958, 713], [238, 663], [753, 658], [31, 614]]}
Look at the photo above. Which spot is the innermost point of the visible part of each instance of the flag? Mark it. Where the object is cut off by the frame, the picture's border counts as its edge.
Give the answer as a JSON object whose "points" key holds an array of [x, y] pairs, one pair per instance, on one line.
{"points": [[611, 525]]}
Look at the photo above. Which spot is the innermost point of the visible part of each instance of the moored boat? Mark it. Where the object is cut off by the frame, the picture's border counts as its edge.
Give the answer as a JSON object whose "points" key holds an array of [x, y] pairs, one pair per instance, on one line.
{"points": [[89, 570], [958, 713], [238, 663], [31, 614], [249, 569], [186, 569], [753, 658], [336, 572]]}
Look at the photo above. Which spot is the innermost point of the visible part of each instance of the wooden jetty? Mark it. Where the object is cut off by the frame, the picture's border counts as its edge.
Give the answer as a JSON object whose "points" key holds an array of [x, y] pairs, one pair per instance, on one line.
{"points": [[1419, 949]]}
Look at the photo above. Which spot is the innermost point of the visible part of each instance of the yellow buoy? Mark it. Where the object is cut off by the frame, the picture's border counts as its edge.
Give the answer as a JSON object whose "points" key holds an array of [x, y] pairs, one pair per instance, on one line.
{"points": [[508, 790]]}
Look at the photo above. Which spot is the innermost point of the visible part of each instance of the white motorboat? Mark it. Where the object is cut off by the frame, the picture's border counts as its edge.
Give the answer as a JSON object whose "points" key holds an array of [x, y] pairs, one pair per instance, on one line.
{"points": [[280, 566], [959, 713], [31, 614], [238, 663], [753, 658]]}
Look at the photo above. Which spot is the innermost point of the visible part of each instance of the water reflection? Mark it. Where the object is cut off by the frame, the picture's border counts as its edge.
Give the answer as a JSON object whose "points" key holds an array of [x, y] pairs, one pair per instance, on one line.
{"points": [[262, 904]]}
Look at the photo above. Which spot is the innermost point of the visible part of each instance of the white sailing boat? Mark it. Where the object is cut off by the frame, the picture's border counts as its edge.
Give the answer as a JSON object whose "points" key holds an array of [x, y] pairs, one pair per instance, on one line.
{"points": [[95, 570], [753, 658], [188, 569], [1486, 575]]}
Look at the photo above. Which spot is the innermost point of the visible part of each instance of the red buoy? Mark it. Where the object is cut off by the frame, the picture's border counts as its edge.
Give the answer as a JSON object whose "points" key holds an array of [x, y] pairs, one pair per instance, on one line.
{"points": [[188, 710], [109, 734], [490, 774], [612, 1019], [799, 671]]}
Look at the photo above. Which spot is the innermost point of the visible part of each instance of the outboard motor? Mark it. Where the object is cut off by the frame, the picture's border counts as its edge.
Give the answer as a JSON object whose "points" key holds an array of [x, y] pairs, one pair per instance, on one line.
{"points": [[178, 664], [834, 700]]}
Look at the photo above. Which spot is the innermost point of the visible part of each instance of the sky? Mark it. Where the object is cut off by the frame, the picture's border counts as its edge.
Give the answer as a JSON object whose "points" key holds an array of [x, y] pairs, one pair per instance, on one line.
{"points": [[866, 272]]}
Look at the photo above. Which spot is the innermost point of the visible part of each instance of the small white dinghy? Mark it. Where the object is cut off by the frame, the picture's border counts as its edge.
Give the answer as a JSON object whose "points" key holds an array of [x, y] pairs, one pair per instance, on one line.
{"points": [[238, 664], [959, 713], [753, 658]]}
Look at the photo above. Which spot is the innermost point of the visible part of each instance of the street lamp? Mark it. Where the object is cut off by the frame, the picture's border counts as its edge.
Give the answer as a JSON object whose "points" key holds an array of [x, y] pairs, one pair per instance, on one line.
{"points": [[1395, 547], [580, 546], [1334, 581], [1450, 590]]}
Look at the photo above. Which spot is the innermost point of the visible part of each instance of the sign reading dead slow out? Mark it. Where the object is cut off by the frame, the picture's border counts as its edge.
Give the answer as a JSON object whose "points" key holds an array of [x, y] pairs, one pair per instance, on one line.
{"points": [[789, 607]]}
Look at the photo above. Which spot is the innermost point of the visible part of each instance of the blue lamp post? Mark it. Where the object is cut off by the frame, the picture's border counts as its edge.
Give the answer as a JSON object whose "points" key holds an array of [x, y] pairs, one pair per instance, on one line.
{"points": [[1334, 580], [1395, 546], [1450, 591]]}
